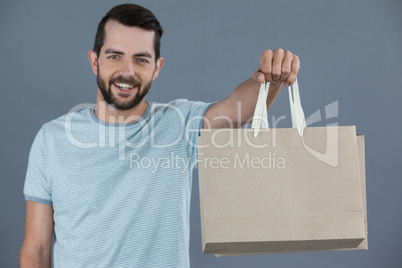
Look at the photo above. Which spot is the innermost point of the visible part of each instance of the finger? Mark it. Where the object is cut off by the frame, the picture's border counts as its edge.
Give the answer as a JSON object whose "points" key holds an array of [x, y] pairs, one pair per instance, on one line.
{"points": [[286, 65], [258, 77], [266, 64], [294, 71], [279, 55]]}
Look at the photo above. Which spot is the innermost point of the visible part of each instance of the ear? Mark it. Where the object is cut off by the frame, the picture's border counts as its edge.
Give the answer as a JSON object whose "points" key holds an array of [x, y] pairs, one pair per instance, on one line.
{"points": [[158, 67], [93, 59]]}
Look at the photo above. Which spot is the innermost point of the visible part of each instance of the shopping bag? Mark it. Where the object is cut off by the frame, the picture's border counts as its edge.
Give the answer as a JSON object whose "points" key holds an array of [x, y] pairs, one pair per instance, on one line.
{"points": [[281, 190]]}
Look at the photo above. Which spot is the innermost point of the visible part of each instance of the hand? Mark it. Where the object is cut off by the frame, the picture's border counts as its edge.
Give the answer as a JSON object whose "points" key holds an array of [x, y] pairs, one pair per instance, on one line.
{"points": [[279, 66]]}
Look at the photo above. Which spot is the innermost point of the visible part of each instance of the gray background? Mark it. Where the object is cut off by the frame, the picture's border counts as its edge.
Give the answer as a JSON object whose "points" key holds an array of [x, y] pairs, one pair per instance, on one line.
{"points": [[350, 52]]}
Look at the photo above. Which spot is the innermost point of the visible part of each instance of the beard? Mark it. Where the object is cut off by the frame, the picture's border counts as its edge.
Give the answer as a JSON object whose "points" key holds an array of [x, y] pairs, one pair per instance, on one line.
{"points": [[129, 102]]}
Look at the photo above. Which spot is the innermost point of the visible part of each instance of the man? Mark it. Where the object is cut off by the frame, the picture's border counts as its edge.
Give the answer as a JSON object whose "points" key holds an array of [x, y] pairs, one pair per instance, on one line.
{"points": [[111, 184]]}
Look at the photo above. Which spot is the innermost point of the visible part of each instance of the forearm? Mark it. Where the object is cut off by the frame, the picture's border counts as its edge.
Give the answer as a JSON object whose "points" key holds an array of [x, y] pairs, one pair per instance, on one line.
{"points": [[244, 99], [34, 258]]}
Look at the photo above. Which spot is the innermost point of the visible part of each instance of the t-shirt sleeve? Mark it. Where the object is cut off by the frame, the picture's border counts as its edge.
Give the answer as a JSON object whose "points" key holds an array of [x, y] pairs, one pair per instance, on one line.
{"points": [[193, 115], [37, 186]]}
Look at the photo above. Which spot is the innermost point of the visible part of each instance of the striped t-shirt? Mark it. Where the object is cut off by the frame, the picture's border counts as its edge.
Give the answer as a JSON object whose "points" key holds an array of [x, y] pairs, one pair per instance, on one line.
{"points": [[120, 192]]}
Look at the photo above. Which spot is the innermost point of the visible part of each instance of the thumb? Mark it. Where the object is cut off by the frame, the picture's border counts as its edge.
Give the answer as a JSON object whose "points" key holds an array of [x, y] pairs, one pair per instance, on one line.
{"points": [[258, 77]]}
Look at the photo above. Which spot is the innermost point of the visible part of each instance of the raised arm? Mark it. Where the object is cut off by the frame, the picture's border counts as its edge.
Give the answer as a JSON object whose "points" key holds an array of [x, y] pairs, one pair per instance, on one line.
{"points": [[36, 249], [278, 67]]}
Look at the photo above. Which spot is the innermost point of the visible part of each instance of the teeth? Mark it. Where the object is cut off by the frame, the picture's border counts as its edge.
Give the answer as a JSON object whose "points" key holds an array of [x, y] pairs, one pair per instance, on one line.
{"points": [[124, 86]]}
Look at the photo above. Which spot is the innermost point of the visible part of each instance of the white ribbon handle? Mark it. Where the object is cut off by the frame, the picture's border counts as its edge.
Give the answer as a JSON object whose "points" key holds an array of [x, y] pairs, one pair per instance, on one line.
{"points": [[260, 118], [296, 110]]}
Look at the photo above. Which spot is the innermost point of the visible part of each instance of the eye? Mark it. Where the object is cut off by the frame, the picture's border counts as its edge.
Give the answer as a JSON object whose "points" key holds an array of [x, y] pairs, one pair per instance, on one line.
{"points": [[113, 57], [142, 60]]}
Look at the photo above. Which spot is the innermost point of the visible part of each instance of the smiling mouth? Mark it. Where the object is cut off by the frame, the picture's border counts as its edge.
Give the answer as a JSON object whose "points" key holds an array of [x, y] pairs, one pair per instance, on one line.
{"points": [[124, 86]]}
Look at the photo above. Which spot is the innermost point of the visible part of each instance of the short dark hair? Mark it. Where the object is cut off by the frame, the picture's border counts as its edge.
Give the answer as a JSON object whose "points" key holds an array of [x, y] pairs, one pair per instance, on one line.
{"points": [[130, 15]]}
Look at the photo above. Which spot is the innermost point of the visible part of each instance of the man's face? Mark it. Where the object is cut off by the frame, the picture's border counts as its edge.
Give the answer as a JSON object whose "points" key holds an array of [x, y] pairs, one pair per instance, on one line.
{"points": [[126, 65]]}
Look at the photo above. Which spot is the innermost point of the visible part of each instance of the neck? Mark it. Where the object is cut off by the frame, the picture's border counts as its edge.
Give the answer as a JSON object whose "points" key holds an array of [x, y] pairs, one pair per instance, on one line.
{"points": [[110, 114]]}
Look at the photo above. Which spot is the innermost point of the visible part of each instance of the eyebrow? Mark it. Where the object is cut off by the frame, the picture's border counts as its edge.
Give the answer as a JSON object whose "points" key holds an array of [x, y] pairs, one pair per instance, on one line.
{"points": [[141, 54], [111, 51], [144, 54]]}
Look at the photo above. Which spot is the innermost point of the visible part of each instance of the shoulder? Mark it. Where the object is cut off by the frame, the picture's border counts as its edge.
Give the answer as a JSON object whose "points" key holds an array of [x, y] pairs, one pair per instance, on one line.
{"points": [[181, 106], [179, 103], [79, 114]]}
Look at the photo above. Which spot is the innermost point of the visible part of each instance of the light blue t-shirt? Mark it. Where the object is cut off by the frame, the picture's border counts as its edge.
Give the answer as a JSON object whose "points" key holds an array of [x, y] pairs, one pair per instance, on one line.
{"points": [[120, 192]]}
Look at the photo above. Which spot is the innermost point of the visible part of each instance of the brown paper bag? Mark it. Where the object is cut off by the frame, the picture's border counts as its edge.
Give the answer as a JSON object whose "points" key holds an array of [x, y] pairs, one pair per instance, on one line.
{"points": [[282, 192], [363, 245]]}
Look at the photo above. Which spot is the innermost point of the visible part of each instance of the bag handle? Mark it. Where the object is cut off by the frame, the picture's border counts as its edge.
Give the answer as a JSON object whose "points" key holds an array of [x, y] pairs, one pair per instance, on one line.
{"points": [[260, 118]]}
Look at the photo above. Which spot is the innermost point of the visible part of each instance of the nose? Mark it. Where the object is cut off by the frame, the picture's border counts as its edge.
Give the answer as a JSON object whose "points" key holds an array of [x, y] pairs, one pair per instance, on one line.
{"points": [[127, 68]]}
